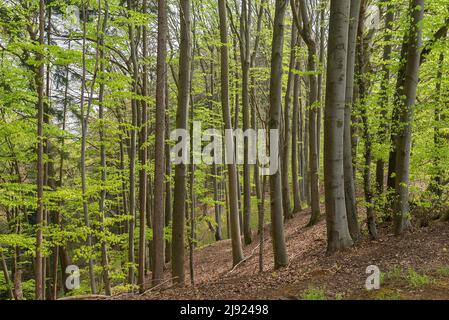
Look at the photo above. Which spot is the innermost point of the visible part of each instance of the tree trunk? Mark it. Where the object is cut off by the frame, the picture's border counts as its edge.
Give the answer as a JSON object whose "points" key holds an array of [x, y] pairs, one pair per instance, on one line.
{"points": [[380, 165], [8, 283], [305, 29], [237, 252], [215, 169], [295, 125], [132, 152], [179, 205], [350, 197], [245, 25], [168, 173], [257, 179], [262, 223], [404, 139], [84, 125], [337, 224], [38, 272], [288, 213], [277, 216], [363, 61], [323, 4], [104, 245], [159, 177], [438, 136], [400, 82]]}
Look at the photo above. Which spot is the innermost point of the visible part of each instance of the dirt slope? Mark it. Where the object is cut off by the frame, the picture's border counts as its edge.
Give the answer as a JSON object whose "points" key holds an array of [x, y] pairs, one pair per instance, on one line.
{"points": [[415, 265]]}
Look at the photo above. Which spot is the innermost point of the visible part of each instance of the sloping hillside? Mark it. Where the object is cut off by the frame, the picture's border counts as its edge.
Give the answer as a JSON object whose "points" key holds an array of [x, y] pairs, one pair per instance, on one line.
{"points": [[415, 265]]}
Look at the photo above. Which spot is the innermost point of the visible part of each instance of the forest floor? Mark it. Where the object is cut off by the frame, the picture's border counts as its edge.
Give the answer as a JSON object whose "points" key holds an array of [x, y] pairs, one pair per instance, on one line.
{"points": [[413, 266]]}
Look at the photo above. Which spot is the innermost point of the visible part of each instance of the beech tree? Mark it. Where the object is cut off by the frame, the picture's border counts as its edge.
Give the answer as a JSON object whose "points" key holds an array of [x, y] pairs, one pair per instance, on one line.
{"points": [[158, 217], [237, 252], [350, 196], [404, 138], [277, 216], [180, 193], [39, 273], [338, 236]]}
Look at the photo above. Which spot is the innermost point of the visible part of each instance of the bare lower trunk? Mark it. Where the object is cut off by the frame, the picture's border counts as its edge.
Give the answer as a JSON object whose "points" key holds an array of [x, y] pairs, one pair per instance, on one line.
{"points": [[438, 136], [160, 167], [245, 25], [261, 210], [132, 153], [237, 252], [179, 204], [304, 25], [295, 147], [338, 235], [84, 125], [277, 216], [288, 213], [380, 165], [6, 274], [404, 139], [38, 265], [168, 174], [363, 60], [350, 198]]}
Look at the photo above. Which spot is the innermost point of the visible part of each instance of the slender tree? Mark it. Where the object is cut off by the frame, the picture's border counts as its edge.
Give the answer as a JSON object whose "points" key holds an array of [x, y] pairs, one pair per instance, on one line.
{"points": [[168, 173], [38, 265], [380, 165], [104, 244], [350, 198], [180, 194], [245, 25], [288, 213], [438, 135], [237, 252], [404, 139], [304, 26], [338, 236], [277, 216], [295, 147], [85, 114], [362, 92], [158, 216], [132, 147]]}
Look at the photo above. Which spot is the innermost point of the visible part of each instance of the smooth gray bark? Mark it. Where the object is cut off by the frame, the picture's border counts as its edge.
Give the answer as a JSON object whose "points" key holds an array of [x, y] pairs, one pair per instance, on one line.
{"points": [[159, 177], [180, 193], [237, 251], [277, 216], [288, 213], [39, 76], [245, 25], [362, 63], [104, 245], [404, 138], [338, 235], [84, 130], [304, 26], [350, 197], [295, 146], [380, 165]]}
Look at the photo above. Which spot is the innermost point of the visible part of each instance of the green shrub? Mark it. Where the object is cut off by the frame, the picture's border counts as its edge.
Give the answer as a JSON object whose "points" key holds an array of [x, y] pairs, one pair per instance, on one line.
{"points": [[416, 280], [313, 294]]}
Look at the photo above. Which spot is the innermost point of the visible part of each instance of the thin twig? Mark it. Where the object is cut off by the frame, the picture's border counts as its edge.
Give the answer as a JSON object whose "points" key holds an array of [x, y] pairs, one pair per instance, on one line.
{"points": [[159, 285], [246, 259]]}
